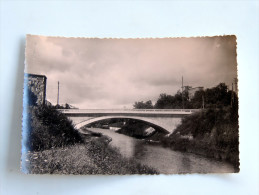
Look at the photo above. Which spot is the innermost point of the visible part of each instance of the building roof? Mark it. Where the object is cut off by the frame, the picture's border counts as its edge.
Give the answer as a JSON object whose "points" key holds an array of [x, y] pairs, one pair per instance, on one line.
{"points": [[34, 75]]}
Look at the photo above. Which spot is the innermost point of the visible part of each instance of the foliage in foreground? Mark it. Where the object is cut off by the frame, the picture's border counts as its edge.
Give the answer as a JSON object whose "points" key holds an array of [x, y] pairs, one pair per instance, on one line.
{"points": [[95, 157], [49, 128]]}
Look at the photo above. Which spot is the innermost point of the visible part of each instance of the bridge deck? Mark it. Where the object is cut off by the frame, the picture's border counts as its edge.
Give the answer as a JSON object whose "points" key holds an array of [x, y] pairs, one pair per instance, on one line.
{"points": [[130, 111]]}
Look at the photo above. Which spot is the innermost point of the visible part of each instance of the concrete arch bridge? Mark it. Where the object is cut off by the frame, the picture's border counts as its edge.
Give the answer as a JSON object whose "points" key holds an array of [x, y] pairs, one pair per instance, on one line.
{"points": [[165, 119]]}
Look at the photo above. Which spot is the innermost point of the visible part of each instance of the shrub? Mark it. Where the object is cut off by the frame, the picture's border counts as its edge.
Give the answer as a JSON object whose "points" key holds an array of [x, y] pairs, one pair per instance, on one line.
{"points": [[49, 128], [214, 131]]}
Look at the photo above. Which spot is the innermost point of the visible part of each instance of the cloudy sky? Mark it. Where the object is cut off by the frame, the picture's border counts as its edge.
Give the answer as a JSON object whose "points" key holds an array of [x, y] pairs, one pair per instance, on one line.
{"points": [[114, 73]]}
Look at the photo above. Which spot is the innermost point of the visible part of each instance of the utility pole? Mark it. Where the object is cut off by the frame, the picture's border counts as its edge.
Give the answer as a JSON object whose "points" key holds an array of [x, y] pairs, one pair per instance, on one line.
{"points": [[58, 95], [182, 92], [202, 100], [235, 87], [232, 96]]}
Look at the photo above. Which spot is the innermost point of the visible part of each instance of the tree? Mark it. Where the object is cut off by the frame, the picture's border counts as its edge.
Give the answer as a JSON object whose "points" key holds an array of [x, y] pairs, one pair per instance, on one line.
{"points": [[216, 97], [197, 100], [143, 105], [164, 101], [171, 102], [67, 106]]}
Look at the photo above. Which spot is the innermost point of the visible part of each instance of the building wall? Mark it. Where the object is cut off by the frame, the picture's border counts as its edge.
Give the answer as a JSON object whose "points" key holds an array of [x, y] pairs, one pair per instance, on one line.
{"points": [[37, 85]]}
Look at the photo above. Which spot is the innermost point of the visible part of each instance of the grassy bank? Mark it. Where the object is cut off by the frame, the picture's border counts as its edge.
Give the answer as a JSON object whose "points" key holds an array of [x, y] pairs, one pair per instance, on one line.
{"points": [[94, 157], [56, 147], [211, 133]]}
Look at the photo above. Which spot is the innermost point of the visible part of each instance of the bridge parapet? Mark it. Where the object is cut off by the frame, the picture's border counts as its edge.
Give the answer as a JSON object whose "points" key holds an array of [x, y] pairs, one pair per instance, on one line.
{"points": [[157, 111]]}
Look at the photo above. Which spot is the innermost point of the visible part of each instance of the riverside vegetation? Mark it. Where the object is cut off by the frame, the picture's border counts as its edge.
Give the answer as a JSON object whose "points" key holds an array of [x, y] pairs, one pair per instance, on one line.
{"points": [[212, 132], [55, 147]]}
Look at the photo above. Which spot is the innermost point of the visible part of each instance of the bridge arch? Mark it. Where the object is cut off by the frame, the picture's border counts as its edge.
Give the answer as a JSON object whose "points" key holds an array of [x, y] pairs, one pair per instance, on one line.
{"points": [[150, 121]]}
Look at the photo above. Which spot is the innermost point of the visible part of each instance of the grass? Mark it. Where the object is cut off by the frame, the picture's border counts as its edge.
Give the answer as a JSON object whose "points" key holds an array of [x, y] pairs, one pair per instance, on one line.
{"points": [[55, 147], [95, 157]]}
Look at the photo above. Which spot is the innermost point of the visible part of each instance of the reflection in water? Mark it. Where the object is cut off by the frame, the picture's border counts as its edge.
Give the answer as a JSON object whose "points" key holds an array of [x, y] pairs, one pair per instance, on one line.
{"points": [[164, 160]]}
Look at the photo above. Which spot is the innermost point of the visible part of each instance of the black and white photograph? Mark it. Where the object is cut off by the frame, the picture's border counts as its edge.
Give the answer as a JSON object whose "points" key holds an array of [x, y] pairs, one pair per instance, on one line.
{"points": [[113, 106]]}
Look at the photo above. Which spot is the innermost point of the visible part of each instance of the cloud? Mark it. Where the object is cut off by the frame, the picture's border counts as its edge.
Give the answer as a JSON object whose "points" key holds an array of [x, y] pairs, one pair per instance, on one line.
{"points": [[113, 73]]}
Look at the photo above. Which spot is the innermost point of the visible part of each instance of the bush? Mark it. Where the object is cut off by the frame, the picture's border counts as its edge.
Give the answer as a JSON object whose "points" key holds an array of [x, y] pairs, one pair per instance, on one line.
{"points": [[49, 128], [214, 134]]}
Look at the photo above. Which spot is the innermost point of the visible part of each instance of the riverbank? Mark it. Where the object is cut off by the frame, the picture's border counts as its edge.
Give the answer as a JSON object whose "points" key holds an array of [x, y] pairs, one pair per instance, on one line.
{"points": [[163, 159], [94, 157], [56, 147], [211, 133]]}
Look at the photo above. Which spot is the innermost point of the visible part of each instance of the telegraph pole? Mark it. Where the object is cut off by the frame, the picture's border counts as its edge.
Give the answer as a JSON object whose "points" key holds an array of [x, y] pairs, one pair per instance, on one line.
{"points": [[232, 96], [182, 92], [58, 95], [235, 86], [202, 100]]}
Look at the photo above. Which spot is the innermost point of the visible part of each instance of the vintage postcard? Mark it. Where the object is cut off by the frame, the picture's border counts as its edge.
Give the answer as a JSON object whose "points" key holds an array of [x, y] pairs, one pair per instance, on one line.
{"points": [[130, 106]]}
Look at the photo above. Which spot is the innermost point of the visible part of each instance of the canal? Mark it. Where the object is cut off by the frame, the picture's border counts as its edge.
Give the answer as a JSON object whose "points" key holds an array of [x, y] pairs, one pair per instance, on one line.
{"points": [[164, 160]]}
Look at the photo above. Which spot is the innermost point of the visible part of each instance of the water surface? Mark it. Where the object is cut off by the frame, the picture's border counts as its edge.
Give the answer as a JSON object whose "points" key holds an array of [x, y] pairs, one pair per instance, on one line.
{"points": [[164, 160]]}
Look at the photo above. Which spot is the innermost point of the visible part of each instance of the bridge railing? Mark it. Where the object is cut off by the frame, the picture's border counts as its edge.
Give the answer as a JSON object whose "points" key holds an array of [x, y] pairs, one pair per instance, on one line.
{"points": [[126, 110]]}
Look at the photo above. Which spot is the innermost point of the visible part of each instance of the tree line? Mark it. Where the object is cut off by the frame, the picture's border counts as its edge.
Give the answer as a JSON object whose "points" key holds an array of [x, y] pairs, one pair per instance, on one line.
{"points": [[218, 96]]}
